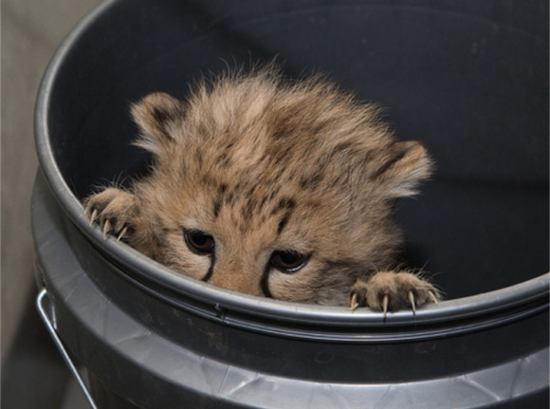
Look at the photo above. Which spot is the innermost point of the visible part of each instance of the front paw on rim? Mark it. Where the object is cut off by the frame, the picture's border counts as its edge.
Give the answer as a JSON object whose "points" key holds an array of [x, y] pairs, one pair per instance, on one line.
{"points": [[390, 291], [112, 209]]}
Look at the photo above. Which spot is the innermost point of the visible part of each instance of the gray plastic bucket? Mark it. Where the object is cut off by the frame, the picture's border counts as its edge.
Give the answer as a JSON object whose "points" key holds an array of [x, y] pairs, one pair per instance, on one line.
{"points": [[469, 79]]}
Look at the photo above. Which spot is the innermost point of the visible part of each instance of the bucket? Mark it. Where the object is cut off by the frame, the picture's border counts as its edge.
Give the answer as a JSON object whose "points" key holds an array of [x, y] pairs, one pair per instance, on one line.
{"points": [[468, 79]]}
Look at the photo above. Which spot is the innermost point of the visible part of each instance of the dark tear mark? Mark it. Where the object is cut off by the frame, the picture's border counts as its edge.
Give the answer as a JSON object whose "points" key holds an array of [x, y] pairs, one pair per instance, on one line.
{"points": [[210, 271], [264, 282]]}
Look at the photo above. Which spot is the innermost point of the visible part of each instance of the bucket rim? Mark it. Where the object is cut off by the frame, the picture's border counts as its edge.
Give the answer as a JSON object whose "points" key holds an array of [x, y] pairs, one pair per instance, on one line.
{"points": [[504, 299]]}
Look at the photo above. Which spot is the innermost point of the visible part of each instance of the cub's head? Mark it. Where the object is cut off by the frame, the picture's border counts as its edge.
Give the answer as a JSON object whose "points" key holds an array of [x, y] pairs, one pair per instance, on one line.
{"points": [[273, 188]]}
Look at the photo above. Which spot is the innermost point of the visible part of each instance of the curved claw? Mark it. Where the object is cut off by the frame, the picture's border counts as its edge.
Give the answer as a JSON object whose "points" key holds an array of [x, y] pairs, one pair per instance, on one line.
{"points": [[122, 233], [93, 217], [353, 304], [106, 229], [411, 300], [433, 297], [385, 302]]}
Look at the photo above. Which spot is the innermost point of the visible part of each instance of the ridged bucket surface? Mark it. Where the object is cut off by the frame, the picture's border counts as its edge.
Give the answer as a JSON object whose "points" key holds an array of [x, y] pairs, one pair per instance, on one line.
{"points": [[469, 79]]}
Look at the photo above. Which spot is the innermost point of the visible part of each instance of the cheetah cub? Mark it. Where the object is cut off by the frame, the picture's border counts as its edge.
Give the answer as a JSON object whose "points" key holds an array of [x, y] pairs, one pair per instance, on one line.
{"points": [[272, 188]]}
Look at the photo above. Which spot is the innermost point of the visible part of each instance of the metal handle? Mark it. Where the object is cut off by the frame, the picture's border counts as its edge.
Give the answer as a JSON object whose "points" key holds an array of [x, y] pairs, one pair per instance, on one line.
{"points": [[45, 309]]}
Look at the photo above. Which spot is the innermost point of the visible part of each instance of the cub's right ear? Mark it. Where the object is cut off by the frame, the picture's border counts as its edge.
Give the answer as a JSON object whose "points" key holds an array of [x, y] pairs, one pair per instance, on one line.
{"points": [[160, 119], [404, 166]]}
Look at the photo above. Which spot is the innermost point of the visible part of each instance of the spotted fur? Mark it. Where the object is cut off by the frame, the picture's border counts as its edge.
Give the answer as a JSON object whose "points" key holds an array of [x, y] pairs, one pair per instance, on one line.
{"points": [[262, 165]]}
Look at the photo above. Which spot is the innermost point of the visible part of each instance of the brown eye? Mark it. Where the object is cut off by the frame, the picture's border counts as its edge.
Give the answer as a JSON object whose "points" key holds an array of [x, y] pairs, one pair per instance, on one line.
{"points": [[288, 261], [199, 242]]}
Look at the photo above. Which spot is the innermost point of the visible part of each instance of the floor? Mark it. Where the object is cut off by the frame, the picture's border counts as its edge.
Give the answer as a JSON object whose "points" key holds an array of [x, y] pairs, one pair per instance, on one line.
{"points": [[33, 373]]}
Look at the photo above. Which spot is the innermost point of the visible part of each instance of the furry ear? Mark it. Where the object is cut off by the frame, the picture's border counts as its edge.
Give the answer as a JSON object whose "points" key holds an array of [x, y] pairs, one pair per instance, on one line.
{"points": [[405, 165], [159, 116]]}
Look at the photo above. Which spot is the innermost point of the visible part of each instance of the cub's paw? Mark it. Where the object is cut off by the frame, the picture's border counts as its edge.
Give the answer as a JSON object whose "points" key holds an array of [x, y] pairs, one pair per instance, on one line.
{"points": [[117, 211], [391, 291]]}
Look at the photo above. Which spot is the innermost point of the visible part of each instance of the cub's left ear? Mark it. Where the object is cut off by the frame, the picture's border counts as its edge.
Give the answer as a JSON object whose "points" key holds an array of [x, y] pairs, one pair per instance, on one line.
{"points": [[160, 118], [404, 167]]}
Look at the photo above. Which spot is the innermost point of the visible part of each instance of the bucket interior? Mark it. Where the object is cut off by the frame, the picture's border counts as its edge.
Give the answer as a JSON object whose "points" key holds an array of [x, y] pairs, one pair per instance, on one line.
{"points": [[468, 80]]}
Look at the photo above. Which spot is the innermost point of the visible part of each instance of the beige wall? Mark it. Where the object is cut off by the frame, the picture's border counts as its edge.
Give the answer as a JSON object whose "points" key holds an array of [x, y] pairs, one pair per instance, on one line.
{"points": [[31, 31]]}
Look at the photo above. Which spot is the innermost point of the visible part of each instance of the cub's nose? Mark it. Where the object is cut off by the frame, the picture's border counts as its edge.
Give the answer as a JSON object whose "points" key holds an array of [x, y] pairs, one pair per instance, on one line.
{"points": [[237, 280]]}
